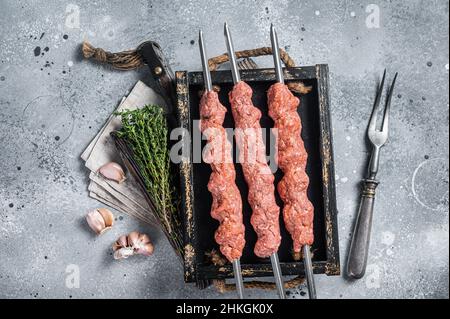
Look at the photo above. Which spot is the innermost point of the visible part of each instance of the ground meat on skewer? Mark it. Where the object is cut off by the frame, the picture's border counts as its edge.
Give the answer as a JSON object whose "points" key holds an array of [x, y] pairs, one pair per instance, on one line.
{"points": [[298, 211], [227, 203], [259, 178]]}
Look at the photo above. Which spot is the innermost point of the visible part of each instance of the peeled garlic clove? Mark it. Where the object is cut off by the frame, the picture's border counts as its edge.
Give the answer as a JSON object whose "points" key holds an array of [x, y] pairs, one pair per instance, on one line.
{"points": [[123, 253], [100, 220], [112, 171], [134, 243]]}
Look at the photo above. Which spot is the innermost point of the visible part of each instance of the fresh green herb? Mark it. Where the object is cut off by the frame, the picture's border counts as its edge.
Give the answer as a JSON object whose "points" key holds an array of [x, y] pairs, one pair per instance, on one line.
{"points": [[146, 132]]}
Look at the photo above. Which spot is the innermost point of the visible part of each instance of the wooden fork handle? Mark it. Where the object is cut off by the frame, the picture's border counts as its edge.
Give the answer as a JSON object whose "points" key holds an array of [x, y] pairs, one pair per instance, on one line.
{"points": [[359, 248]]}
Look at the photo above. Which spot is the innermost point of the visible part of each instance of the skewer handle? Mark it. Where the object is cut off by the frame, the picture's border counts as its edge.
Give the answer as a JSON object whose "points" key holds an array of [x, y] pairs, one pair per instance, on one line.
{"points": [[278, 275], [309, 272]]}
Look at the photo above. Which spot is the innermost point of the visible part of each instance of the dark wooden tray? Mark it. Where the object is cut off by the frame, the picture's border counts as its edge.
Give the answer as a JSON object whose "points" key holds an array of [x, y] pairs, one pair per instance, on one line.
{"points": [[199, 227]]}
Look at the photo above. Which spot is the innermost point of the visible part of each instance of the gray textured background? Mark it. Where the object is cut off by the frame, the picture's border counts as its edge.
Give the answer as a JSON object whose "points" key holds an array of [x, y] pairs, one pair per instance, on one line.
{"points": [[53, 105]]}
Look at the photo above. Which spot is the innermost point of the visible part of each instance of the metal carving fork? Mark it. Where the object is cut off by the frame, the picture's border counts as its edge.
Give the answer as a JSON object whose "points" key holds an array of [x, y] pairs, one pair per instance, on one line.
{"points": [[359, 248]]}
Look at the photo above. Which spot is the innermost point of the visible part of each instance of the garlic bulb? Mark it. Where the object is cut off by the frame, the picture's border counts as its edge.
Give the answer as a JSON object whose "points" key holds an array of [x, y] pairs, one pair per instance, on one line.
{"points": [[134, 243], [112, 171], [100, 220]]}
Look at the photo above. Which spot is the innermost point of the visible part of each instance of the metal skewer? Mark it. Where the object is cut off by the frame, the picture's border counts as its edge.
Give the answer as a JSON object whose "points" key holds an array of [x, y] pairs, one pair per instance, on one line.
{"points": [[231, 55], [277, 275], [238, 278], [208, 87], [276, 54], [306, 249], [309, 272], [206, 73], [236, 78]]}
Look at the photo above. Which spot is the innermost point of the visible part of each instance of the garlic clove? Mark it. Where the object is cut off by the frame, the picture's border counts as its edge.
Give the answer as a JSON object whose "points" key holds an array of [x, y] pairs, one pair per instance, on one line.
{"points": [[95, 221], [144, 239], [133, 238], [112, 171], [120, 243], [100, 220], [108, 217], [143, 245], [145, 250]]}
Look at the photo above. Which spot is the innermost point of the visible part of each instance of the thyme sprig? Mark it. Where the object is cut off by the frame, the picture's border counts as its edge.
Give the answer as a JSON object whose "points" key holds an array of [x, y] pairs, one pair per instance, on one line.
{"points": [[146, 132]]}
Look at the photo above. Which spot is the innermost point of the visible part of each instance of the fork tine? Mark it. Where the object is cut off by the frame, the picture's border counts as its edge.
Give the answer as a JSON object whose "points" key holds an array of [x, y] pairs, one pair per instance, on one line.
{"points": [[388, 105], [373, 118]]}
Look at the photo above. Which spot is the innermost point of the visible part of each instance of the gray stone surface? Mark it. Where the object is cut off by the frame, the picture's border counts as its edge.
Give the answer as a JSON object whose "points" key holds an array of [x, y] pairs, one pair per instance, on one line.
{"points": [[50, 112]]}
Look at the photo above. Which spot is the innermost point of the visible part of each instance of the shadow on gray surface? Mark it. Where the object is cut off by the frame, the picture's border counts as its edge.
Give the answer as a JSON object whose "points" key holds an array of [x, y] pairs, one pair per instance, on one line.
{"points": [[84, 227]]}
